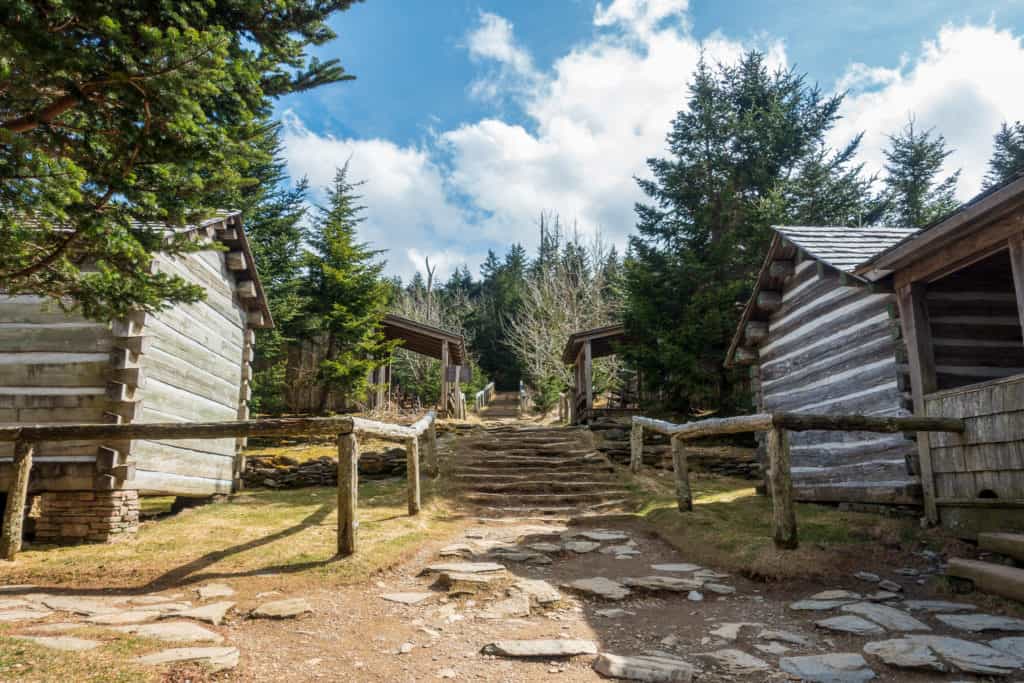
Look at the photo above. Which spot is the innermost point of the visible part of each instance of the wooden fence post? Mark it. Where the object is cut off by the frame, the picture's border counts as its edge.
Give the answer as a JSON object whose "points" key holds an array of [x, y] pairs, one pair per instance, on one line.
{"points": [[412, 468], [682, 470], [636, 447], [780, 480], [14, 514], [348, 492], [433, 466]]}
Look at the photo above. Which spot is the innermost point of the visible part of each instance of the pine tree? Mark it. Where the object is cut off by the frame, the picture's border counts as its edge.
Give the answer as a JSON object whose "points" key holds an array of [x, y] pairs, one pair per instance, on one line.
{"points": [[1007, 154], [914, 191], [345, 293]]}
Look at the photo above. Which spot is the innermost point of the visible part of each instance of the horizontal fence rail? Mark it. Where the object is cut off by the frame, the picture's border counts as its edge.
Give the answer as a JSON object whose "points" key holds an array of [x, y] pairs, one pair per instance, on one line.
{"points": [[778, 426], [347, 429], [483, 397]]}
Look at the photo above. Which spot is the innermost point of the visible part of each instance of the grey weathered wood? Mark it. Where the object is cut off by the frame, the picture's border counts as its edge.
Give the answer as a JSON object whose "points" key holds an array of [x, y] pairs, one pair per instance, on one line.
{"points": [[433, 467], [769, 301], [246, 289], [636, 445], [588, 374], [412, 468], [235, 260], [755, 332], [444, 378], [684, 495], [864, 423], [784, 531], [780, 269], [179, 430], [348, 493], [1017, 263], [745, 356], [14, 513]]}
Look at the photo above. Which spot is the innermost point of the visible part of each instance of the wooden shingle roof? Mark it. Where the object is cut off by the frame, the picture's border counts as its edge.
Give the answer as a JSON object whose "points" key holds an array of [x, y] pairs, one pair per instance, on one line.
{"points": [[844, 248]]}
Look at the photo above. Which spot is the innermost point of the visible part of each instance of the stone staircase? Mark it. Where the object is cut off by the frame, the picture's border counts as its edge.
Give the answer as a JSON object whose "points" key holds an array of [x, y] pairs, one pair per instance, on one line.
{"points": [[992, 577], [504, 406], [535, 472]]}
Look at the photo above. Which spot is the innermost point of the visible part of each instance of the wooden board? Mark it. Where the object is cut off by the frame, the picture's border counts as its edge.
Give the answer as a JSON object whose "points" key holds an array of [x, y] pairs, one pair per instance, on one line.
{"points": [[165, 457], [161, 483], [85, 337]]}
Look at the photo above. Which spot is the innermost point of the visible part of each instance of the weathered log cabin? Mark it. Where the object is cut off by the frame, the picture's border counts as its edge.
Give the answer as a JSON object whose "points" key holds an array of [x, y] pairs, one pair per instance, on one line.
{"points": [[819, 339], [190, 362], [959, 284]]}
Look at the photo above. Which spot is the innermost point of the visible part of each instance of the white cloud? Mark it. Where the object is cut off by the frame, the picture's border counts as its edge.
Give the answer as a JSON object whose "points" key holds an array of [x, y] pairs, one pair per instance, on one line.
{"points": [[492, 42], [964, 84]]}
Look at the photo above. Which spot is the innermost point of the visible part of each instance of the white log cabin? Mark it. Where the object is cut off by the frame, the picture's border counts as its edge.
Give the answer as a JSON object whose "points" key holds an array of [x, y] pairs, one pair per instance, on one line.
{"points": [[190, 362]]}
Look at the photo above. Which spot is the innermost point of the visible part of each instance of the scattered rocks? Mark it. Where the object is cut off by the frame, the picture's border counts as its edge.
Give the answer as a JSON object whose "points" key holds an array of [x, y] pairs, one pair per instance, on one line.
{"points": [[78, 605], [408, 598], [737, 662], [891, 586], [58, 627], [849, 623], [937, 606], [924, 652], [731, 630], [215, 590], [215, 658], [457, 550], [601, 535], [62, 643], [785, 637], [581, 547], [545, 547], [613, 613], [464, 567], [817, 605], [772, 648], [282, 609], [868, 576], [154, 599], [212, 613], [695, 596], [977, 623], [838, 667], [652, 669], [127, 617], [720, 588], [888, 617], [173, 631], [541, 648], [837, 595], [1011, 646], [538, 590], [406, 648], [663, 583], [676, 567], [600, 587], [461, 583], [511, 608], [882, 596]]}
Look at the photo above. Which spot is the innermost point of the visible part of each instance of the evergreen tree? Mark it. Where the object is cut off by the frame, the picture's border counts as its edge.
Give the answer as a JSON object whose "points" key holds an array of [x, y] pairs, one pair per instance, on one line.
{"points": [[914, 191], [501, 295], [1007, 154], [346, 297]]}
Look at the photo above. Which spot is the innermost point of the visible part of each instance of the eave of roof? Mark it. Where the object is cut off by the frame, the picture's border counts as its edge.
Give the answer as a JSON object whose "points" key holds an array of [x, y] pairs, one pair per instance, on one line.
{"points": [[421, 337], [610, 333]]}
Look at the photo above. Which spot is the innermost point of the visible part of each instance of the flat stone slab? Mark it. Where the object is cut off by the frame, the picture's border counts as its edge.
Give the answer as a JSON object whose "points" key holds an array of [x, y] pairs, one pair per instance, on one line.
{"points": [[731, 630], [737, 661], [976, 623], [58, 627], [409, 598], [613, 613], [651, 669], [527, 556], [215, 658], [663, 583], [882, 596], [676, 567], [719, 588], [619, 550], [282, 609], [849, 623], [213, 613], [599, 587], [581, 547], [464, 567], [85, 606], [154, 599], [837, 595], [538, 590], [541, 648], [544, 547], [24, 615], [460, 582], [709, 575], [887, 617], [215, 590], [457, 550], [870, 577], [817, 605], [1012, 646], [15, 603], [62, 643], [785, 637], [127, 617], [173, 631], [838, 667], [515, 607], [601, 535], [941, 653], [772, 648], [937, 606]]}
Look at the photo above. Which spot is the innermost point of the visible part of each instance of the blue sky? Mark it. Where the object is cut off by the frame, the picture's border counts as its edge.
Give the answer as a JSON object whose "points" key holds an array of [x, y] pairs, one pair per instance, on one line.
{"points": [[469, 118]]}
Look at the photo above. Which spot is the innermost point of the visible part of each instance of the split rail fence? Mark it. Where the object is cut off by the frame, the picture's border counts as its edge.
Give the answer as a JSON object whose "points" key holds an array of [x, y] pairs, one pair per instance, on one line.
{"points": [[777, 426], [483, 397], [347, 429]]}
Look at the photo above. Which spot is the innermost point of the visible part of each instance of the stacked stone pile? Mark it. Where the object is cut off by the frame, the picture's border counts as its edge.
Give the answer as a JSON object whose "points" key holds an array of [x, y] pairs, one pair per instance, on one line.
{"points": [[283, 472]]}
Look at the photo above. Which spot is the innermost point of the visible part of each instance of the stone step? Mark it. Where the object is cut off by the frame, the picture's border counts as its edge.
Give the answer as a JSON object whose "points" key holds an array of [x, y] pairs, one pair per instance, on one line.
{"points": [[484, 475], [515, 444], [516, 462], [536, 486], [542, 511], [1011, 545], [593, 496], [997, 579]]}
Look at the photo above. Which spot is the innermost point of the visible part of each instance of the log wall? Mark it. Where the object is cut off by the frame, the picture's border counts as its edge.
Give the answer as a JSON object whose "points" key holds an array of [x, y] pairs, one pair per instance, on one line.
{"points": [[830, 350]]}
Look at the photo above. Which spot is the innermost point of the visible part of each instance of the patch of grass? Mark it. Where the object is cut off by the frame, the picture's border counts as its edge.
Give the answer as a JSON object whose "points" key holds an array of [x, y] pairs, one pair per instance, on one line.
{"points": [[730, 528], [111, 662]]}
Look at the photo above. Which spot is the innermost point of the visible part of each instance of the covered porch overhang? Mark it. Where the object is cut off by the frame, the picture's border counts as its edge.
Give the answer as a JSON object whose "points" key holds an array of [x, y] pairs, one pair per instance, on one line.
{"points": [[580, 351], [433, 342]]}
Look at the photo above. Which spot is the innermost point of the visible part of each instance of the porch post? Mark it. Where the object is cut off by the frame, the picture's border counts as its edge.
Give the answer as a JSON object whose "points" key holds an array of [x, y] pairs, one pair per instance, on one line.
{"points": [[1017, 261], [588, 377], [443, 408]]}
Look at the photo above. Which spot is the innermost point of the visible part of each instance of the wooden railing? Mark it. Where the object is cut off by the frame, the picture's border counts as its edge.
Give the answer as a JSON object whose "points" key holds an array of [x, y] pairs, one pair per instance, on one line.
{"points": [[347, 429], [777, 425], [483, 397]]}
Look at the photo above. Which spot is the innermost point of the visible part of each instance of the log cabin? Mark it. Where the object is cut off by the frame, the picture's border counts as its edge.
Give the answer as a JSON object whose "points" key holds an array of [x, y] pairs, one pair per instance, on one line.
{"points": [[820, 339], [189, 362]]}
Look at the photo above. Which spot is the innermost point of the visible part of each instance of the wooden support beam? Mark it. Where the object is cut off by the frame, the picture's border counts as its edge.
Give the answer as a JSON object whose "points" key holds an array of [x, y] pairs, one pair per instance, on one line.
{"points": [[433, 466], [781, 269], [588, 374], [129, 325], [755, 333], [246, 289], [254, 317], [745, 356], [235, 260], [780, 481], [636, 446], [769, 301], [412, 468], [227, 235], [138, 344], [1017, 263], [682, 472], [444, 378], [129, 376], [348, 493], [17, 494]]}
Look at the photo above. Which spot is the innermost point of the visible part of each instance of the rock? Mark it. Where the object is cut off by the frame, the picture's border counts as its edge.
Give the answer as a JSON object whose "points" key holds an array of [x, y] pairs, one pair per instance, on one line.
{"points": [[405, 648], [849, 623], [408, 598], [59, 627], [619, 550], [720, 588], [888, 617], [511, 608], [651, 669], [1011, 646], [446, 673], [599, 587], [731, 630], [838, 667], [154, 599], [709, 575], [545, 547], [942, 653], [212, 613], [15, 604], [601, 535], [837, 595], [128, 617], [663, 583], [24, 615], [581, 547], [882, 596], [817, 605], [282, 609], [695, 596], [62, 643], [460, 583], [677, 567], [785, 637], [457, 550], [772, 648], [215, 590], [538, 590], [84, 606], [737, 662], [907, 571], [215, 658], [464, 568], [613, 613], [670, 640], [977, 623], [937, 606], [541, 648], [173, 631], [891, 586], [868, 576]]}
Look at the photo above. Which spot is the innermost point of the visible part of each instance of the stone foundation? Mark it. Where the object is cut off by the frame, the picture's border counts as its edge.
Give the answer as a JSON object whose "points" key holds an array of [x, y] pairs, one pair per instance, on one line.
{"points": [[76, 516]]}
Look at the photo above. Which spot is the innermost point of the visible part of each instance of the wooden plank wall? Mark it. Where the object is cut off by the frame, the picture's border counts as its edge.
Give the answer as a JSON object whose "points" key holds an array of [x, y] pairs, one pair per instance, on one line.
{"points": [[830, 349], [975, 326], [194, 368], [988, 459]]}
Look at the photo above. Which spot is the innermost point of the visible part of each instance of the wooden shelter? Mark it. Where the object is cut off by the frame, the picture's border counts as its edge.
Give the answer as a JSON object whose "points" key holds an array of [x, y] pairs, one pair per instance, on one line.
{"points": [[818, 339], [188, 363], [580, 351], [434, 342], [959, 285]]}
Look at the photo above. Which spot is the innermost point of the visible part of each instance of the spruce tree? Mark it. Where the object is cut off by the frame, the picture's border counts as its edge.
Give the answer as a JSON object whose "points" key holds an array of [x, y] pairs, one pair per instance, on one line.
{"points": [[915, 193], [346, 297], [1007, 154]]}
